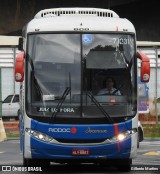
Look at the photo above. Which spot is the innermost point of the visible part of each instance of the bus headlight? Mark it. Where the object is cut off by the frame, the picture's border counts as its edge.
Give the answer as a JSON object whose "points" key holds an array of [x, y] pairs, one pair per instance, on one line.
{"points": [[38, 135], [123, 135]]}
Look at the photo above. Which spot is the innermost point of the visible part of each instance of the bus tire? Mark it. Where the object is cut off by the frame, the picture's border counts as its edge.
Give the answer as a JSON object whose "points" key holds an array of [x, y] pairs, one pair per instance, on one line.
{"points": [[36, 163], [138, 139], [125, 166], [24, 162]]}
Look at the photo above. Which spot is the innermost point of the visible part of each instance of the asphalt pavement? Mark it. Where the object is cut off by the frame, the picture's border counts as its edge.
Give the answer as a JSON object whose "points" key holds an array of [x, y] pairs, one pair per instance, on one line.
{"points": [[147, 161]]}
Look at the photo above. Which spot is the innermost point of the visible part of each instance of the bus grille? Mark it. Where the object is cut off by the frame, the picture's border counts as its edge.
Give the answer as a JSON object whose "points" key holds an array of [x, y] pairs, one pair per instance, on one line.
{"points": [[80, 141]]}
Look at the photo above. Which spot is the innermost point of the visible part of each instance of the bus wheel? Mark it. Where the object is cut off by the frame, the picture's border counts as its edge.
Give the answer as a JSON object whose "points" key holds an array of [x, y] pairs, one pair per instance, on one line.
{"points": [[24, 162], [138, 139], [125, 166], [36, 163]]}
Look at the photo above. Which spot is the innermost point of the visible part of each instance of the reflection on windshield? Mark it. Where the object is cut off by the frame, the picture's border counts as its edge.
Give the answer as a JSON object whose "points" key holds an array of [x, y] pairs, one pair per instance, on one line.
{"points": [[66, 92], [61, 61], [109, 72], [100, 107], [56, 63]]}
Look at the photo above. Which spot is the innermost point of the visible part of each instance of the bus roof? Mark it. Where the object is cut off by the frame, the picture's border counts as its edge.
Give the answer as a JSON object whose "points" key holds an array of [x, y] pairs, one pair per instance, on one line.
{"points": [[76, 11], [79, 19]]}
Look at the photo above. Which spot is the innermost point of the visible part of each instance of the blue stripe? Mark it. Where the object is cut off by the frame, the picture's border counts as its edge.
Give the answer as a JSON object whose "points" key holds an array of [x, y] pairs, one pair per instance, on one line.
{"points": [[40, 149]]}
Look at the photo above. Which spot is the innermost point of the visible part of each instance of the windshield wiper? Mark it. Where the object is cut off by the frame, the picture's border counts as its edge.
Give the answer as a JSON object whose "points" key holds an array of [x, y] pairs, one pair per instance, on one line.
{"points": [[35, 80], [90, 95], [65, 93]]}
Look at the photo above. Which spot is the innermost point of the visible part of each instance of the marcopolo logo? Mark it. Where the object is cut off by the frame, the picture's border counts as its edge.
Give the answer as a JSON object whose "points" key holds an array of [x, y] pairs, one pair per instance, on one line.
{"points": [[81, 29], [72, 130]]}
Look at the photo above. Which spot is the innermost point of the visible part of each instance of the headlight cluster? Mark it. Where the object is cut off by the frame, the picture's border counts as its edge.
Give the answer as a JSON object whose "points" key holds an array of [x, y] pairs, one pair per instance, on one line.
{"points": [[38, 135], [121, 136]]}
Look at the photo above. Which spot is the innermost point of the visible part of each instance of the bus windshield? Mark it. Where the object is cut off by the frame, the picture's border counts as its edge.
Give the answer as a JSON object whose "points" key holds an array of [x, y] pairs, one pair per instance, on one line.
{"points": [[81, 64]]}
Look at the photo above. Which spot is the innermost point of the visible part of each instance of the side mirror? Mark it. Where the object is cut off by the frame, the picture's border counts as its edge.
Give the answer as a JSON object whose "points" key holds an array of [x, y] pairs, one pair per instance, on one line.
{"points": [[19, 67], [145, 67], [20, 44]]}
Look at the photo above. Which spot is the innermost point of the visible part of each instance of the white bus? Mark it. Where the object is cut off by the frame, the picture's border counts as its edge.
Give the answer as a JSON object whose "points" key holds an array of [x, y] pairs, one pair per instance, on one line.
{"points": [[67, 54]]}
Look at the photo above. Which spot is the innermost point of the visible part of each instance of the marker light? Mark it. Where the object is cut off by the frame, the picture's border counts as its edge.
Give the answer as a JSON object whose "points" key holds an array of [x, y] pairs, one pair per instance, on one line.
{"points": [[123, 135], [38, 135]]}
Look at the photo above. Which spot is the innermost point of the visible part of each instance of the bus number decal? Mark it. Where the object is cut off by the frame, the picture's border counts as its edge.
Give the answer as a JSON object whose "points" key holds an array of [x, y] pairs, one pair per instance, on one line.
{"points": [[124, 41]]}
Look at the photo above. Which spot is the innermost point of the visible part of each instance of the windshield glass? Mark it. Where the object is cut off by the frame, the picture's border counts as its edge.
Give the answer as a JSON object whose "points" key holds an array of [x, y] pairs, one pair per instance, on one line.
{"points": [[80, 64], [53, 65], [109, 73]]}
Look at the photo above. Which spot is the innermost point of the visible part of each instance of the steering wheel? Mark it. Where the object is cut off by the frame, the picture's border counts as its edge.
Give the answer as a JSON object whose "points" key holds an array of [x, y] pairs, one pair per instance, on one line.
{"points": [[117, 89]]}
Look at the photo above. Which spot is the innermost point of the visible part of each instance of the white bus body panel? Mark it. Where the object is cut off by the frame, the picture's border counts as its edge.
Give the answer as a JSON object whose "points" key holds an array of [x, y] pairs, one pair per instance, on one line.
{"points": [[79, 22]]}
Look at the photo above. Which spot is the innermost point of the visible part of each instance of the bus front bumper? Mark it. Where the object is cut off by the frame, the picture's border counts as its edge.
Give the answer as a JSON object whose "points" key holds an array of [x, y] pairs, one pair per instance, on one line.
{"points": [[116, 150]]}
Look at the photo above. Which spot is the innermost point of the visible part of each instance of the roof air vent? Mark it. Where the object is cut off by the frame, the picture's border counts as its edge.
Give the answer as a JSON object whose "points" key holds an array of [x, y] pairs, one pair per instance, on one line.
{"points": [[76, 11]]}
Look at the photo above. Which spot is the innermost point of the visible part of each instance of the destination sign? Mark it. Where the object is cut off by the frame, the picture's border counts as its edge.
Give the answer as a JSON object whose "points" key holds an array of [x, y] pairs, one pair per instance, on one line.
{"points": [[63, 110]]}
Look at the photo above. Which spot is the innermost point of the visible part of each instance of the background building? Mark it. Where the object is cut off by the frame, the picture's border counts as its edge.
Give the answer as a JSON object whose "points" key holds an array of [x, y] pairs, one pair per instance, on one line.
{"points": [[144, 15], [8, 52]]}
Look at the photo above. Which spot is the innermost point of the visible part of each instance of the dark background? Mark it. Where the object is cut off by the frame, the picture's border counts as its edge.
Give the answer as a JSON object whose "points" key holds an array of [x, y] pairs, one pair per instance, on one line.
{"points": [[144, 14]]}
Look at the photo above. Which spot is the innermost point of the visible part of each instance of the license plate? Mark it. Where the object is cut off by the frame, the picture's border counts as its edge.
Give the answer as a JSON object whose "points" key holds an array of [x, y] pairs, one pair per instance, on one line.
{"points": [[78, 152]]}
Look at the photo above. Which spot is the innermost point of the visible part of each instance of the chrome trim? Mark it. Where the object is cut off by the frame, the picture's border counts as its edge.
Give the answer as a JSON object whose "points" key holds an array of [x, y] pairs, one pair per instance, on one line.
{"points": [[107, 141]]}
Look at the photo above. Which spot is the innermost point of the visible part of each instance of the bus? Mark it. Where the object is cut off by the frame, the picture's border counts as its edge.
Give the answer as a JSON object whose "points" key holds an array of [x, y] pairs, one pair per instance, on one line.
{"points": [[152, 50], [143, 107], [66, 55]]}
